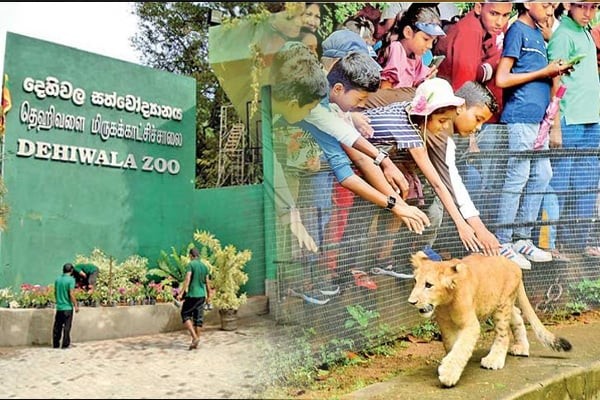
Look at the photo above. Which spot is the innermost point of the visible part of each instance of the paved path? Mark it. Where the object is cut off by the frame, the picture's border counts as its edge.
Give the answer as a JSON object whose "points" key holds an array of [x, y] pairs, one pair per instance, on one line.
{"points": [[157, 366]]}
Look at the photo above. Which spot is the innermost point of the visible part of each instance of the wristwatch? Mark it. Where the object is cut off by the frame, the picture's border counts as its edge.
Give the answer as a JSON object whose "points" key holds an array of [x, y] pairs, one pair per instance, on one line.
{"points": [[391, 202], [380, 157]]}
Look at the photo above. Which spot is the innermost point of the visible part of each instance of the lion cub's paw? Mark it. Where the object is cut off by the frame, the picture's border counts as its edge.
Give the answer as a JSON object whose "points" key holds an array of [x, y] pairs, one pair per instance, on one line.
{"points": [[519, 350], [493, 361], [449, 374]]}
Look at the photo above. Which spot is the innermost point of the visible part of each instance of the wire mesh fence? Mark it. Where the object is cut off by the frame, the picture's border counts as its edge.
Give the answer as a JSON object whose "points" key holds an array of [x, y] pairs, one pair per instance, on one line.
{"points": [[353, 291]]}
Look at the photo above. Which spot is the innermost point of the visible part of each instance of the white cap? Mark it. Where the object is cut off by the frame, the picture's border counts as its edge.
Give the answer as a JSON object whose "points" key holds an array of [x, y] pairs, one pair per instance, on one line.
{"points": [[432, 94]]}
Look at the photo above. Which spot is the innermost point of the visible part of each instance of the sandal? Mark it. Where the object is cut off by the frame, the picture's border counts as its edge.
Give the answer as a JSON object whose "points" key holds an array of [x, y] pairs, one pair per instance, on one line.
{"points": [[558, 256], [194, 344], [592, 252], [314, 298], [330, 290], [390, 272], [361, 278]]}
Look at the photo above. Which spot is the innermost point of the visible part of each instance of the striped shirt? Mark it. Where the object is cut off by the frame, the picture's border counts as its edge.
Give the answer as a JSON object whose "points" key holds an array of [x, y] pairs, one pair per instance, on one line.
{"points": [[392, 127]]}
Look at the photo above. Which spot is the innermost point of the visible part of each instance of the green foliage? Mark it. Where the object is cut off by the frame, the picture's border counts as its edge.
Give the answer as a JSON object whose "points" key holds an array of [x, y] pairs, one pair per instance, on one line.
{"points": [[464, 7], [173, 36], [293, 363], [172, 266], [207, 167], [575, 307], [585, 294], [226, 265], [115, 278], [360, 316], [336, 352], [6, 296], [428, 330], [334, 14], [374, 338]]}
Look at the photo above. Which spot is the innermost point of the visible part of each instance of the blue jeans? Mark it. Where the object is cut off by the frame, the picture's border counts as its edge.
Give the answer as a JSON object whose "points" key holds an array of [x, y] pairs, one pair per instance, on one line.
{"points": [[480, 174], [575, 182], [524, 186]]}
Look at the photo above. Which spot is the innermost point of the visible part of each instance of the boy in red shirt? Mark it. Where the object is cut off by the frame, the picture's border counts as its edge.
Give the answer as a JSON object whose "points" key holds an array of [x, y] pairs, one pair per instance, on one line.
{"points": [[482, 28]]}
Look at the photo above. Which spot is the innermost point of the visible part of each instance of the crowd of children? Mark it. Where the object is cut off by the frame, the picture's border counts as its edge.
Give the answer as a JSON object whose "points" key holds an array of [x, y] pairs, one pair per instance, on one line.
{"points": [[368, 117]]}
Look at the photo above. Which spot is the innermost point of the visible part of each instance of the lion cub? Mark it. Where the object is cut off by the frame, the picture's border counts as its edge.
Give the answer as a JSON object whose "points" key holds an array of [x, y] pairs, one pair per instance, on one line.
{"points": [[464, 292]]}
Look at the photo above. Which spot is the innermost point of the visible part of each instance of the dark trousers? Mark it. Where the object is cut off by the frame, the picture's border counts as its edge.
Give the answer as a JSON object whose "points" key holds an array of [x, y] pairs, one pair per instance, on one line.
{"points": [[62, 327]]}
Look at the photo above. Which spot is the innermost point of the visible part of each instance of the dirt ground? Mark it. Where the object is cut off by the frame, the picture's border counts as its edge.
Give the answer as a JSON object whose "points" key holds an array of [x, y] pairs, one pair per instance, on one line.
{"points": [[409, 353]]}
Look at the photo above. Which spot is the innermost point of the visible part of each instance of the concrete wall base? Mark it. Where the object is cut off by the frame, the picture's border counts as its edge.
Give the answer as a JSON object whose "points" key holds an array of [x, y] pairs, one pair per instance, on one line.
{"points": [[25, 327]]}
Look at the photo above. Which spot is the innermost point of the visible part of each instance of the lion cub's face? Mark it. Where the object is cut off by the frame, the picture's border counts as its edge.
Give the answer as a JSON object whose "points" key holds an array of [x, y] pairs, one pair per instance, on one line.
{"points": [[434, 283]]}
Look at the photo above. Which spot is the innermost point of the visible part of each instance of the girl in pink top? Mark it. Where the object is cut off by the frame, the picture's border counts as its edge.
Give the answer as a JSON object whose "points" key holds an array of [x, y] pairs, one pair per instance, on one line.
{"points": [[402, 59]]}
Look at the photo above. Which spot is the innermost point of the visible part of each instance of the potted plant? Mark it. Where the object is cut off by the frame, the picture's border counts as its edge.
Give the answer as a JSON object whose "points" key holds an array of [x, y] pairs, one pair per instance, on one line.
{"points": [[81, 296], [95, 297], [226, 265], [165, 292]]}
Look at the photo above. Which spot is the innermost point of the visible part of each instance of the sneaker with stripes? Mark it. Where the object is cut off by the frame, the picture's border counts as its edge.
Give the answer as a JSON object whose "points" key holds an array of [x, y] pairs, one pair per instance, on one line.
{"points": [[507, 251], [531, 252]]}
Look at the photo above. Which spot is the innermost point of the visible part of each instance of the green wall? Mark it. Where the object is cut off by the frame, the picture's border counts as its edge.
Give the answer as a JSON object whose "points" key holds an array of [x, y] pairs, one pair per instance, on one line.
{"points": [[235, 216], [62, 204]]}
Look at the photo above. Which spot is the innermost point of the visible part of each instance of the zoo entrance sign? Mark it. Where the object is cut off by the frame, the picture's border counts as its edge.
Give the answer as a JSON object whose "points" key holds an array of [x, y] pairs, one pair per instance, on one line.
{"points": [[96, 153], [68, 107], [52, 118]]}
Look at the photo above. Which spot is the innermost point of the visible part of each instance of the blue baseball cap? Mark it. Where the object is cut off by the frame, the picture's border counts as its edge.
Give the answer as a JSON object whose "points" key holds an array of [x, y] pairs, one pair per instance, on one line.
{"points": [[432, 29], [344, 41]]}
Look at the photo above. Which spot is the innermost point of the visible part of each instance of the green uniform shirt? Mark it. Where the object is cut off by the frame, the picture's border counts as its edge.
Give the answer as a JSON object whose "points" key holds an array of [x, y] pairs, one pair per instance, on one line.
{"points": [[62, 287], [581, 103], [87, 268], [199, 271]]}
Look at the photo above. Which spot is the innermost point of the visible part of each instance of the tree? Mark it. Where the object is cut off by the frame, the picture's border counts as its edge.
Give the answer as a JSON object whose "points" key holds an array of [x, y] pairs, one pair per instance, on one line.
{"points": [[173, 36]]}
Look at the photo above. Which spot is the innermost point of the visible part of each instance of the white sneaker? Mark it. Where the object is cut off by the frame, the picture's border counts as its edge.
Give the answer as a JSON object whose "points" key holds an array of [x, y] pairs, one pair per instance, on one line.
{"points": [[507, 251], [532, 253]]}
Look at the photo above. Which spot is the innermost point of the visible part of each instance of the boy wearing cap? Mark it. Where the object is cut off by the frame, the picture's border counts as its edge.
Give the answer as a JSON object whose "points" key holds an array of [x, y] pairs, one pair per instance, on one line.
{"points": [[285, 91], [406, 127], [362, 77], [284, 87], [478, 108]]}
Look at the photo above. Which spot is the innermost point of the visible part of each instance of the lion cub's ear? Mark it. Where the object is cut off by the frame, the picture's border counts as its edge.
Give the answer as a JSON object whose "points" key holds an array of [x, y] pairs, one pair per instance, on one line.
{"points": [[418, 258], [449, 278]]}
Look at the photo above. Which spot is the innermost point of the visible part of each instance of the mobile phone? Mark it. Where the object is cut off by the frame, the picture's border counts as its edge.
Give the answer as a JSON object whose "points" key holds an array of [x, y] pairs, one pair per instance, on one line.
{"points": [[576, 59], [437, 60]]}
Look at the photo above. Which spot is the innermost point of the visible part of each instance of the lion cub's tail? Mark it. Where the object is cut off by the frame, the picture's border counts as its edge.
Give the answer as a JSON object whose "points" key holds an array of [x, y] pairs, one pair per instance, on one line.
{"points": [[546, 337]]}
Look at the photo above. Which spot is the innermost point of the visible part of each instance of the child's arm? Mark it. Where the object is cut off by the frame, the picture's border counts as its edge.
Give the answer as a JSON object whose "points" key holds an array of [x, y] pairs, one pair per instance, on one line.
{"points": [[505, 78], [391, 173], [555, 141], [412, 217], [415, 219], [466, 233]]}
